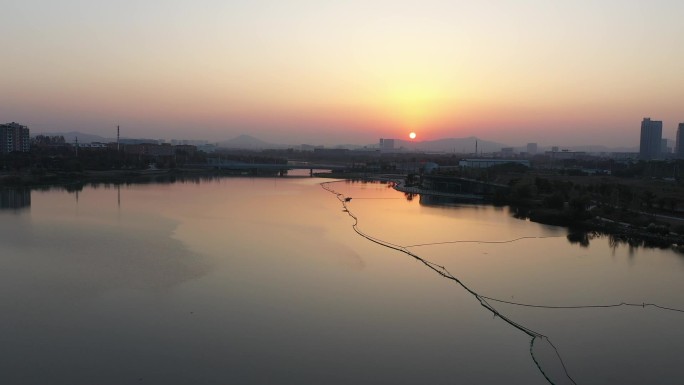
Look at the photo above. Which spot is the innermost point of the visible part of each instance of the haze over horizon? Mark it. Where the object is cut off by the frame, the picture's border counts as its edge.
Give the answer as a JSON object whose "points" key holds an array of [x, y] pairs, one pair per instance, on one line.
{"points": [[575, 73]]}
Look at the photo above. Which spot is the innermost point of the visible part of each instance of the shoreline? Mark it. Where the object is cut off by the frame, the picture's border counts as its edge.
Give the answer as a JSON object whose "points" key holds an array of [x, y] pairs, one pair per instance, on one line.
{"points": [[650, 236], [29, 180], [622, 231]]}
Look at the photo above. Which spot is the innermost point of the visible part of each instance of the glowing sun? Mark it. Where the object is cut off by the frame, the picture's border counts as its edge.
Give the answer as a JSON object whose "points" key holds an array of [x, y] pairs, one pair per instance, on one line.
{"points": [[412, 135]]}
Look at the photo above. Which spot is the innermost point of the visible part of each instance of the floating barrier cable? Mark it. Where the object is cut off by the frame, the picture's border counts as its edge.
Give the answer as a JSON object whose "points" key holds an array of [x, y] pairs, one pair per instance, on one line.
{"points": [[482, 299], [642, 305], [475, 241], [441, 270]]}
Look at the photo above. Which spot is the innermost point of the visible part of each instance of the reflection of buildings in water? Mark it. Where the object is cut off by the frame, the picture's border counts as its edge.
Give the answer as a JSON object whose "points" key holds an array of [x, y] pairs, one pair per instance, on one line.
{"points": [[12, 199]]}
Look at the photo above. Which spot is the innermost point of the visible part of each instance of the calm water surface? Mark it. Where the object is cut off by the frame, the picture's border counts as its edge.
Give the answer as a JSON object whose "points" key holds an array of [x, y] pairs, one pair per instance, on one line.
{"points": [[264, 281]]}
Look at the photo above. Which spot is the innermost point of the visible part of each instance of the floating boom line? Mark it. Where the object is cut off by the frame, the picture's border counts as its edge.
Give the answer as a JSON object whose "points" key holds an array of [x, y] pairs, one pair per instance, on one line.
{"points": [[441, 270], [483, 242], [482, 299]]}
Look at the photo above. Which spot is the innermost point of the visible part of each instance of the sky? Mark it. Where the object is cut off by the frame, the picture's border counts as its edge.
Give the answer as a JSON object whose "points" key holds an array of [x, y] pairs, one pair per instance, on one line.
{"points": [[325, 72]]}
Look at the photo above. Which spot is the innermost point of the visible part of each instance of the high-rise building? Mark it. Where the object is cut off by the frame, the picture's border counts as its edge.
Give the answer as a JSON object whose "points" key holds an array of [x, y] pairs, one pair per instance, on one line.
{"points": [[679, 143], [651, 135], [14, 138], [531, 148], [386, 145], [664, 149]]}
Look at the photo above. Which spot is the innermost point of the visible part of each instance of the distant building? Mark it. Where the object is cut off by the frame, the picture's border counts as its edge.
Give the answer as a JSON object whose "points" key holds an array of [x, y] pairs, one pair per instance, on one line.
{"points": [[565, 154], [188, 149], [157, 150], [14, 138], [554, 149], [531, 148], [623, 155], [651, 139], [507, 151], [486, 163], [208, 148], [165, 149], [386, 145], [180, 142], [429, 167], [95, 145], [664, 149], [679, 143], [331, 151], [137, 141]]}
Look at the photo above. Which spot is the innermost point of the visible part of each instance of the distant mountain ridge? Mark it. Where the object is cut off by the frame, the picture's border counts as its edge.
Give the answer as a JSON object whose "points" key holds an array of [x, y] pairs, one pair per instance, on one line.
{"points": [[447, 145]]}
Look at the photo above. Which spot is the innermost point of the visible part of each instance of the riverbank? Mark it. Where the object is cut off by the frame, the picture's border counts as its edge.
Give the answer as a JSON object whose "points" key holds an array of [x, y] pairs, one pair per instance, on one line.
{"points": [[28, 179], [636, 228], [632, 227], [628, 227]]}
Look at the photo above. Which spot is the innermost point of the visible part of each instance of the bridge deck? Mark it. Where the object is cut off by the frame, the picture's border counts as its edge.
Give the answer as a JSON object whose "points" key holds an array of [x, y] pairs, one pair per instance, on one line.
{"points": [[273, 166]]}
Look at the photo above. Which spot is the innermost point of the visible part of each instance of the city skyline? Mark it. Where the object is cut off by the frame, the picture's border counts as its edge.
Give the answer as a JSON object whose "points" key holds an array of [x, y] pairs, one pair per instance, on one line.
{"points": [[294, 72]]}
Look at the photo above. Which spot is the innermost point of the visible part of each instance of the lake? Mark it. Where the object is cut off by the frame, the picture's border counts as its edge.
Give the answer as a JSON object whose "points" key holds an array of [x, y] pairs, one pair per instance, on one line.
{"points": [[265, 281]]}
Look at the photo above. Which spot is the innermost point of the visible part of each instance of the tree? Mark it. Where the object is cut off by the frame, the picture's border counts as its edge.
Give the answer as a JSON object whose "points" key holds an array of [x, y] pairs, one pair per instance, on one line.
{"points": [[555, 201], [579, 205], [647, 198]]}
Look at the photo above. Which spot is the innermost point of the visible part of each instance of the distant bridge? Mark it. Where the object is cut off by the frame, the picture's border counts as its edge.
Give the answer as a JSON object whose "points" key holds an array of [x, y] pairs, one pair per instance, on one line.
{"points": [[280, 167]]}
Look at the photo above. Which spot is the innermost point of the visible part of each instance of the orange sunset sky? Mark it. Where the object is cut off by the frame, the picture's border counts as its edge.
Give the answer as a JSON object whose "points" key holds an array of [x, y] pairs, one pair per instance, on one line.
{"points": [[325, 72]]}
